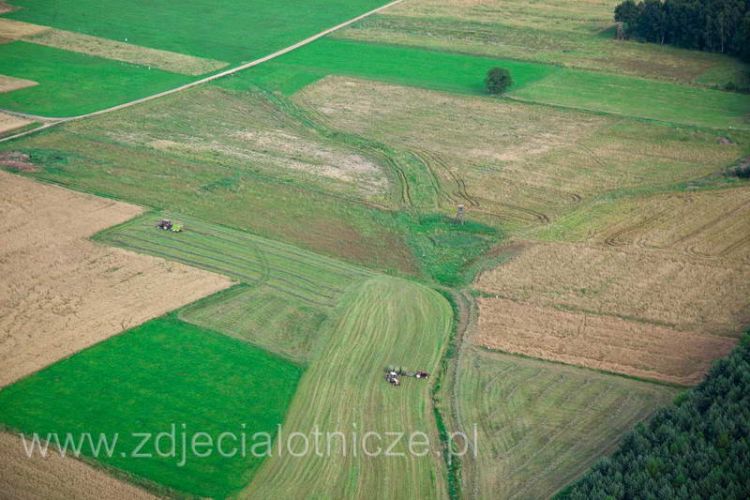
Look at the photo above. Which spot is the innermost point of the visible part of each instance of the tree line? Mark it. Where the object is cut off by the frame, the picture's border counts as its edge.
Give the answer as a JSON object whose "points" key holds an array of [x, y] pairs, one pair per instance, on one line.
{"points": [[698, 448], [711, 25]]}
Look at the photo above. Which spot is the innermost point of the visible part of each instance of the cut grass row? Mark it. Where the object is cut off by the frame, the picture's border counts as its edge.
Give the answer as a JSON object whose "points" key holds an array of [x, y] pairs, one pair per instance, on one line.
{"points": [[385, 321], [452, 72], [540, 425], [161, 374]]}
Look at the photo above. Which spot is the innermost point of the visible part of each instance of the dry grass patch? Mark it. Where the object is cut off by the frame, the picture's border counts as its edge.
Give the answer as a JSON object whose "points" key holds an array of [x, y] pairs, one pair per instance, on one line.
{"points": [[14, 30], [602, 342], [126, 52], [513, 161], [679, 291], [55, 477], [62, 293], [9, 83], [11, 122]]}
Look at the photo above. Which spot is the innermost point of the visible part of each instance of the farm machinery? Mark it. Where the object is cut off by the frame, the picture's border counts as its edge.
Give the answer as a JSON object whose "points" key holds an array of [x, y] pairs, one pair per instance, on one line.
{"points": [[166, 225], [393, 375]]}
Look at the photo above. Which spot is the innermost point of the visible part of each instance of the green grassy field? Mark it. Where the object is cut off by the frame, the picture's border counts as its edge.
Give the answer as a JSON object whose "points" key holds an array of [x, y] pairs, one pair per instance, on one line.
{"points": [[71, 83], [560, 32], [385, 321], [161, 373], [237, 32], [540, 425], [533, 82]]}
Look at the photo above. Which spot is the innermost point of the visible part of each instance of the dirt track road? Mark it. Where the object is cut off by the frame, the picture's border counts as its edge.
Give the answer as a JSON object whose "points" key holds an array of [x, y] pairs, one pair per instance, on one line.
{"points": [[51, 121]]}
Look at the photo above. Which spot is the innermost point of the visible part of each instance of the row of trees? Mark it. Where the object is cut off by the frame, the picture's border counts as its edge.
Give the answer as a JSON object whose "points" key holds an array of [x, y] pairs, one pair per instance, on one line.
{"points": [[711, 25], [699, 448]]}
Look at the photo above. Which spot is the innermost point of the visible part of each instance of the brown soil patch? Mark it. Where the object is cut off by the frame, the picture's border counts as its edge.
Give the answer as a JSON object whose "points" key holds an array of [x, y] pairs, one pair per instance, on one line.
{"points": [[120, 51], [16, 160], [11, 122], [9, 84], [60, 292], [5, 8], [55, 477], [683, 292], [14, 30], [601, 342]]}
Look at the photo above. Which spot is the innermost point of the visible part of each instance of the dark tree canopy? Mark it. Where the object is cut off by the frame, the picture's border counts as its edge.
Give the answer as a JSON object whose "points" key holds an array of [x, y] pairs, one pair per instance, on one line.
{"points": [[711, 25], [698, 448], [498, 80]]}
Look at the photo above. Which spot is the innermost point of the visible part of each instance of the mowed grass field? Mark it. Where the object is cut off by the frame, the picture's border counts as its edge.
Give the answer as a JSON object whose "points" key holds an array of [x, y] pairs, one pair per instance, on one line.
{"points": [[163, 373], [541, 425], [464, 73], [71, 83], [385, 321]]}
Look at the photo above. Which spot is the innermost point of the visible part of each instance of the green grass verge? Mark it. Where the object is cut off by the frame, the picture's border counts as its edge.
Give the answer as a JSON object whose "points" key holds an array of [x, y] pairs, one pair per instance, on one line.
{"points": [[161, 373], [72, 84], [385, 321]]}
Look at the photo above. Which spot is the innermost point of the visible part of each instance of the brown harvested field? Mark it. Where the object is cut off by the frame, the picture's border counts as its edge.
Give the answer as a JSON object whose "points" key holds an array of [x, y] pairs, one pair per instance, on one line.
{"points": [[13, 30], [9, 83], [11, 122], [61, 292], [516, 162], [707, 224], [678, 291], [120, 51], [55, 477], [601, 342]]}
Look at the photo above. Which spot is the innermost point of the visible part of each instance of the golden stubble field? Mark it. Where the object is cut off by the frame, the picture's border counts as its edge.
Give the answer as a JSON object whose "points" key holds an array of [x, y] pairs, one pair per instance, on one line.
{"points": [[54, 477], [655, 287], [60, 292]]}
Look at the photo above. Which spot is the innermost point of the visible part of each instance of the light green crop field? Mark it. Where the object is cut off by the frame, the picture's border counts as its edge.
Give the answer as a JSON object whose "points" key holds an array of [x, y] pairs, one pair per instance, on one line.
{"points": [[461, 73], [72, 84], [541, 425], [162, 373], [385, 321], [560, 32]]}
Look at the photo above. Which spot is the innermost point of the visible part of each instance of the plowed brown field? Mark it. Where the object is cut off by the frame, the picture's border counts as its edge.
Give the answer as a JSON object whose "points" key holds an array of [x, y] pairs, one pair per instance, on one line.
{"points": [[55, 477], [61, 293], [602, 342]]}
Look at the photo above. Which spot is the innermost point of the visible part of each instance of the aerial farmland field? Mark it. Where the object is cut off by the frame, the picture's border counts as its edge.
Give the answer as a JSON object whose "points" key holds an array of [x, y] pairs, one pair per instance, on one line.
{"points": [[358, 249]]}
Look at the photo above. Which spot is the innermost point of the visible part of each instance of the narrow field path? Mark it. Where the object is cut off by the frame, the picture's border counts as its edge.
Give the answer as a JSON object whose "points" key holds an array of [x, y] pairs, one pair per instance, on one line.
{"points": [[385, 321], [52, 121]]}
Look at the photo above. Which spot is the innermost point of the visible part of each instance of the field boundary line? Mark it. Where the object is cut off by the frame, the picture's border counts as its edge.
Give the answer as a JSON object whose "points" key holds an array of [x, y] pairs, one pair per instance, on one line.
{"points": [[52, 121]]}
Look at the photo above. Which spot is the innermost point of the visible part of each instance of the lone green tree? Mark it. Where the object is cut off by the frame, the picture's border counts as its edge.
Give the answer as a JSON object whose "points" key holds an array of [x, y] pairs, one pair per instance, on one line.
{"points": [[498, 80]]}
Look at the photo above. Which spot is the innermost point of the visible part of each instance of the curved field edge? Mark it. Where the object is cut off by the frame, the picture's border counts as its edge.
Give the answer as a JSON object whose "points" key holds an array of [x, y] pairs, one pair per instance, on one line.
{"points": [[385, 321]]}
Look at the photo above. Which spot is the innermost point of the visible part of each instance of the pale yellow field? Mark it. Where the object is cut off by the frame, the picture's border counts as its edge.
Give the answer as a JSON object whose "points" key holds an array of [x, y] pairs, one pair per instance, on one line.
{"points": [[678, 291], [60, 292], [9, 83], [55, 477], [11, 122], [13, 30], [125, 52]]}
